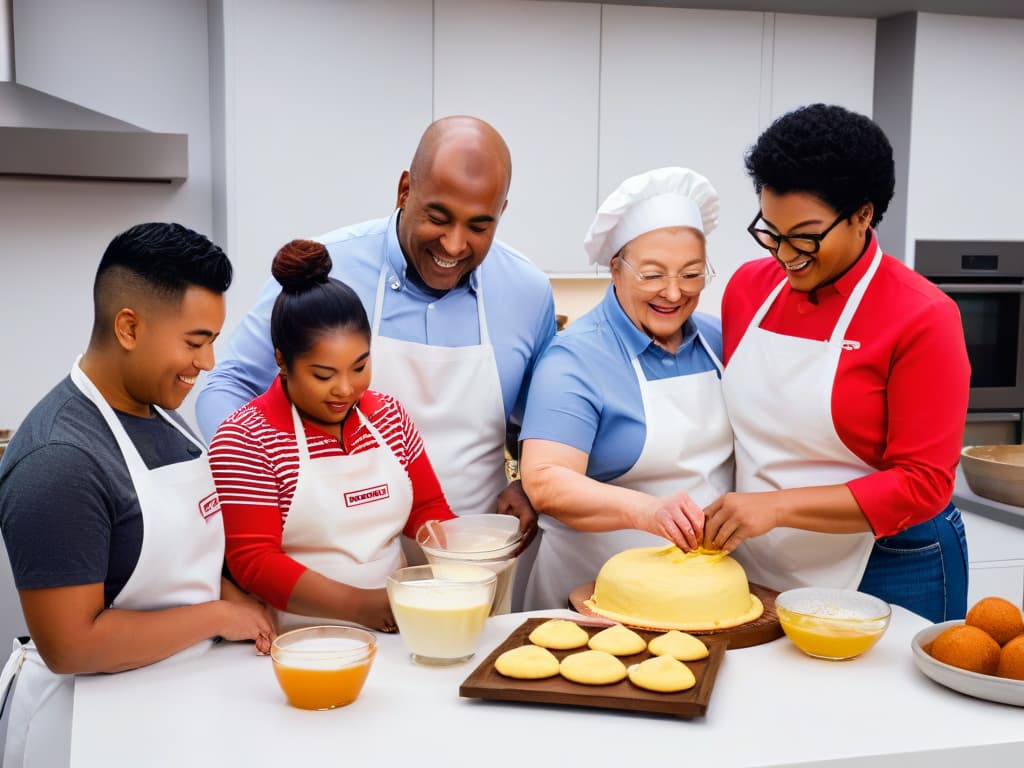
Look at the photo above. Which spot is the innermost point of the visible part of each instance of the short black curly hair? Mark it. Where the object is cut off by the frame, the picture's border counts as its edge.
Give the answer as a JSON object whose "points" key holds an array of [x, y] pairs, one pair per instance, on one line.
{"points": [[839, 156]]}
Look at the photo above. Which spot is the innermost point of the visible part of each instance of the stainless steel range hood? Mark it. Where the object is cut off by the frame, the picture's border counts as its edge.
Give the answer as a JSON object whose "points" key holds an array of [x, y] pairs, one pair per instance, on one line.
{"points": [[42, 135]]}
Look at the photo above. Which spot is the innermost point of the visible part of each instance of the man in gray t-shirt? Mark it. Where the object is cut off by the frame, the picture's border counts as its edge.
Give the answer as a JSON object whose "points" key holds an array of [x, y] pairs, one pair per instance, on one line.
{"points": [[107, 504]]}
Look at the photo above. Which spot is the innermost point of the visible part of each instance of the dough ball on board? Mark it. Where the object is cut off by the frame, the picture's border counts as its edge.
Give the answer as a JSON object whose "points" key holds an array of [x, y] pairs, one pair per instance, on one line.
{"points": [[618, 641], [559, 634], [527, 662], [678, 645], [592, 668], [662, 674]]}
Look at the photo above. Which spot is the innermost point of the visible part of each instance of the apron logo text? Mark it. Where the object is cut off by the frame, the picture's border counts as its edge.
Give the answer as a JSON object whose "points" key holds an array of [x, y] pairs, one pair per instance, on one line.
{"points": [[366, 495], [209, 506]]}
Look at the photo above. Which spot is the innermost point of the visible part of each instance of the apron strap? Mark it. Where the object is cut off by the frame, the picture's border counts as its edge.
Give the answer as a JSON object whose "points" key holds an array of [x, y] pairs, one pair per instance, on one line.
{"points": [[11, 670], [846, 317]]}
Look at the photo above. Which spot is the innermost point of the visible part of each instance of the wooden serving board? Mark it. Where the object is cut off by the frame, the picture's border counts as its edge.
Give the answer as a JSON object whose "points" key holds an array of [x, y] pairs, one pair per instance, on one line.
{"points": [[764, 629], [487, 683]]}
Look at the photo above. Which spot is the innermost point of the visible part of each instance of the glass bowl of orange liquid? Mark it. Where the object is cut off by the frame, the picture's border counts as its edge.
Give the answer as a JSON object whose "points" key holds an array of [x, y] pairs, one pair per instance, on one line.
{"points": [[323, 667], [833, 624]]}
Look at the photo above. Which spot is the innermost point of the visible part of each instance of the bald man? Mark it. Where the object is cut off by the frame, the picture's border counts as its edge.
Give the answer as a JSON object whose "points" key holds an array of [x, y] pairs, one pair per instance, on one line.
{"points": [[458, 318], [107, 503]]}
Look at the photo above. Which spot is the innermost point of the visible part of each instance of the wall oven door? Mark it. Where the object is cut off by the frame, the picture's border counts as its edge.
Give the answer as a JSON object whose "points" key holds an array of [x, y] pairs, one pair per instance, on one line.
{"points": [[986, 280], [994, 329]]}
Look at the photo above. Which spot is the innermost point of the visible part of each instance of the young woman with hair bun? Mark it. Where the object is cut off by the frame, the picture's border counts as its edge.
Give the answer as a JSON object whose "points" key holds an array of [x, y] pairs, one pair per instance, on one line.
{"points": [[319, 476]]}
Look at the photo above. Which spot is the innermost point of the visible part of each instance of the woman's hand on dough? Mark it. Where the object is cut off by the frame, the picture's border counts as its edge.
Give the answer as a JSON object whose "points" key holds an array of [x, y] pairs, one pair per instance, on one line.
{"points": [[733, 517], [678, 519]]}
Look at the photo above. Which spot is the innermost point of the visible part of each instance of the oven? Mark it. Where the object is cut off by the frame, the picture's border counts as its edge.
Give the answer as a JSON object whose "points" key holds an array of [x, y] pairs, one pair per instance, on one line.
{"points": [[986, 280]]}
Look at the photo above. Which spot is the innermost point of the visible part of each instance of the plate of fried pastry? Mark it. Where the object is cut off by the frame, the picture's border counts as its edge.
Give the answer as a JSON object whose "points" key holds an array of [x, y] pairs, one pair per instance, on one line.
{"points": [[560, 661], [982, 656]]}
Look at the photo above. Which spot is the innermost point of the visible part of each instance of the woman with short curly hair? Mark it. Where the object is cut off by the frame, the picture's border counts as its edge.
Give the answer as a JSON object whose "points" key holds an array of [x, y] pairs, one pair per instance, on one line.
{"points": [[846, 382]]}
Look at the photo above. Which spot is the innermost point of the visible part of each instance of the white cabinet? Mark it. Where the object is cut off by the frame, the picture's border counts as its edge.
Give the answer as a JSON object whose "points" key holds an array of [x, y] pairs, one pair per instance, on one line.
{"points": [[683, 87], [531, 69], [843, 52], [996, 554], [323, 106], [696, 88]]}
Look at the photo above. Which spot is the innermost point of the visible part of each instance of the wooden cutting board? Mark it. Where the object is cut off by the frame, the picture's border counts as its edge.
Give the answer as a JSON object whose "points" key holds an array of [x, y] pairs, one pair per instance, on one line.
{"points": [[762, 630], [486, 683]]}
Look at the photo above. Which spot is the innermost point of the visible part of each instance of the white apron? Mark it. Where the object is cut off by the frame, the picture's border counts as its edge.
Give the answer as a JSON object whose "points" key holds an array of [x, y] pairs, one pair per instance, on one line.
{"points": [[688, 447], [779, 393], [453, 395], [346, 515], [179, 564]]}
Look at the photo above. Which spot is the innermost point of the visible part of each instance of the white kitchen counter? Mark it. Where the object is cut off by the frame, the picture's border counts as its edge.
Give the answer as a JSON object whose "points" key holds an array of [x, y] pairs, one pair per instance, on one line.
{"points": [[771, 705]]}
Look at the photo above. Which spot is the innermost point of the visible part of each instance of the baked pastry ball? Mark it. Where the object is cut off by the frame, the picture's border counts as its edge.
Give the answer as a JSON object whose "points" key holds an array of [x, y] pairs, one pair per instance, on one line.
{"points": [[967, 647], [1011, 659], [559, 634], [618, 641], [678, 645], [1000, 618], [592, 668], [662, 674], [527, 662]]}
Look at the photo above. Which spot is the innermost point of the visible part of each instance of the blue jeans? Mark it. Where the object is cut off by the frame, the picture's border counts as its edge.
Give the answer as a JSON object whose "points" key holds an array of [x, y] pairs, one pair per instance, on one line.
{"points": [[923, 569]]}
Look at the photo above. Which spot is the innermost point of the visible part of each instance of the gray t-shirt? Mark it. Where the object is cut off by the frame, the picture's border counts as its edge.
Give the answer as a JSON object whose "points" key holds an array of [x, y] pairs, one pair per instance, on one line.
{"points": [[68, 509]]}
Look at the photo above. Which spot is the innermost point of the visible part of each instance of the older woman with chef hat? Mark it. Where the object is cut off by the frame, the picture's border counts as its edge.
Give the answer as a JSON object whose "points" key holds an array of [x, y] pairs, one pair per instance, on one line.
{"points": [[625, 432]]}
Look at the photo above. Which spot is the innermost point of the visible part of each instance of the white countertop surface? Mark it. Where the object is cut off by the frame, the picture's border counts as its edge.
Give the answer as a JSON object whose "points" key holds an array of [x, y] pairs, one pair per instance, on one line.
{"points": [[771, 705]]}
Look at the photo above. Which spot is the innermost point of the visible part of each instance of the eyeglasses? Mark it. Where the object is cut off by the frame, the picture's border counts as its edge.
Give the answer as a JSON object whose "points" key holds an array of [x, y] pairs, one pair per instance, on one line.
{"points": [[807, 245], [655, 282]]}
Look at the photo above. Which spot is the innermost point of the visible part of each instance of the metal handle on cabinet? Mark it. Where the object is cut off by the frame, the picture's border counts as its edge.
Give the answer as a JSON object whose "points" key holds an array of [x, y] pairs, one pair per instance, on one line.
{"points": [[980, 288], [980, 417]]}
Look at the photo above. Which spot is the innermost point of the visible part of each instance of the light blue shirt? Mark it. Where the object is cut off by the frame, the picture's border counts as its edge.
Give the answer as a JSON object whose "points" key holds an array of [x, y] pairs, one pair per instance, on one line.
{"points": [[585, 391], [518, 303]]}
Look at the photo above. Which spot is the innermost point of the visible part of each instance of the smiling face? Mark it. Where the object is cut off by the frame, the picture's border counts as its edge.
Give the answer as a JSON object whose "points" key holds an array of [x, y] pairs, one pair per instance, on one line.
{"points": [[327, 380], [169, 344], [450, 211], [796, 213], [660, 310]]}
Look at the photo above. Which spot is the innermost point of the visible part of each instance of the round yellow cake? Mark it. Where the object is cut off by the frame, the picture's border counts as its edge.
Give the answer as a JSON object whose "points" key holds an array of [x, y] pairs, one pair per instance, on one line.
{"points": [[666, 588]]}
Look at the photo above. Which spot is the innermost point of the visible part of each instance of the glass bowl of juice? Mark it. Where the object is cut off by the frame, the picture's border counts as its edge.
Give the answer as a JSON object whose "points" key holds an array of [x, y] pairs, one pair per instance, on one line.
{"points": [[323, 667], [832, 624], [441, 609]]}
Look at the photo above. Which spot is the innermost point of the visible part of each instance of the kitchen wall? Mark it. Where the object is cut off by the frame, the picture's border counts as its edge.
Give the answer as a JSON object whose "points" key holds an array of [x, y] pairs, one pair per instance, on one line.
{"points": [[144, 62]]}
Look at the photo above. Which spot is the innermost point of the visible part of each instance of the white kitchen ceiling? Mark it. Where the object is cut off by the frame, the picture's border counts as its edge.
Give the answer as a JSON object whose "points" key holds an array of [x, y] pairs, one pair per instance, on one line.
{"points": [[872, 9]]}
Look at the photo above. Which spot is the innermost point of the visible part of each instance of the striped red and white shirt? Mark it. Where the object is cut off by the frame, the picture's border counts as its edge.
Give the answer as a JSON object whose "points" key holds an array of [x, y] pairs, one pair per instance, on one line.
{"points": [[255, 461]]}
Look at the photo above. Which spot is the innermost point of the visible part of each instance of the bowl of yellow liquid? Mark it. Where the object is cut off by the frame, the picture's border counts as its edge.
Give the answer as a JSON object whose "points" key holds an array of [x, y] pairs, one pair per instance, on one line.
{"points": [[323, 667], [441, 609], [833, 624]]}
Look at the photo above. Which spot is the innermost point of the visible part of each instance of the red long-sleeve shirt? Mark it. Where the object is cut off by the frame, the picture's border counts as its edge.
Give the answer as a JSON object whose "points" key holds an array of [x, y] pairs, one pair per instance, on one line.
{"points": [[254, 459], [899, 402]]}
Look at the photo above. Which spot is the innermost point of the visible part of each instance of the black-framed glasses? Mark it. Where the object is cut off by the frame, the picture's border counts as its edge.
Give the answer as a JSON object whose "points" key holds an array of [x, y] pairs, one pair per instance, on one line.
{"points": [[807, 245], [655, 282]]}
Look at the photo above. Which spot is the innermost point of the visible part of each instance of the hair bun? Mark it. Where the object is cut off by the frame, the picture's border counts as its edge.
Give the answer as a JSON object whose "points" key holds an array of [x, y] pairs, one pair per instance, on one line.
{"points": [[301, 264]]}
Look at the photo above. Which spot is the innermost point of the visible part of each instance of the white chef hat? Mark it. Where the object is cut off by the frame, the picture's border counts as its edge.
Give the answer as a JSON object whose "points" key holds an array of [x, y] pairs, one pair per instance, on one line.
{"points": [[664, 197]]}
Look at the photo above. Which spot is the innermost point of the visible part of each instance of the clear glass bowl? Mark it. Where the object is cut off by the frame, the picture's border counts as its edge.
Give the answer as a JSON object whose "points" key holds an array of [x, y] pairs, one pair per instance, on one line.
{"points": [[486, 540], [833, 624], [323, 667], [441, 609]]}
